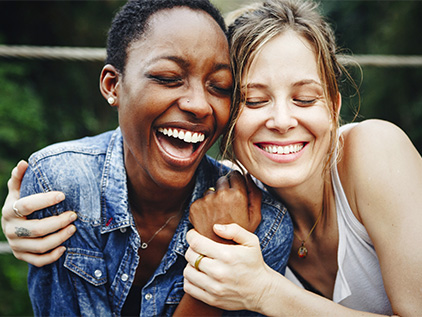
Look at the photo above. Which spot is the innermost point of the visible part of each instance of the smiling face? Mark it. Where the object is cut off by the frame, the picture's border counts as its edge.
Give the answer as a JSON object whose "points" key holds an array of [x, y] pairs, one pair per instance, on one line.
{"points": [[174, 97], [282, 135]]}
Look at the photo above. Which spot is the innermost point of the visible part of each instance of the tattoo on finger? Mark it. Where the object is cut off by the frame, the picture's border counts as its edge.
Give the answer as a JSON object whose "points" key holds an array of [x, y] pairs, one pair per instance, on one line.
{"points": [[22, 232]]}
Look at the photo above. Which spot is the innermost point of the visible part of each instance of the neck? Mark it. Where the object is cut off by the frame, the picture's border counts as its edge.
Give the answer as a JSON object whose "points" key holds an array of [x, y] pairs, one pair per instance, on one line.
{"points": [[305, 201], [150, 198]]}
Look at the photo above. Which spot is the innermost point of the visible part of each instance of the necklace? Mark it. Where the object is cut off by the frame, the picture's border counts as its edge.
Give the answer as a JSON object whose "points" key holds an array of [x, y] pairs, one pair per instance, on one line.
{"points": [[302, 252], [145, 245]]}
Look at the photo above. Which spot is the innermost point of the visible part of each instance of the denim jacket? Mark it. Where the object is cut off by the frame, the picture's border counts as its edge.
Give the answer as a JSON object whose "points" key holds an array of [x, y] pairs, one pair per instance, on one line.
{"points": [[95, 274]]}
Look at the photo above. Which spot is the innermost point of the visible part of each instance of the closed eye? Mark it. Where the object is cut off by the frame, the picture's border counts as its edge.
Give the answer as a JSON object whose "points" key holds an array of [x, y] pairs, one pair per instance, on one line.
{"points": [[304, 102], [167, 81], [255, 103]]}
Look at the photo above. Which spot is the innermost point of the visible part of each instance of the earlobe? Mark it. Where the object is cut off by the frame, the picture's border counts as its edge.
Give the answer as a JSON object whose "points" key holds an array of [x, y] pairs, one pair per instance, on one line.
{"points": [[109, 84]]}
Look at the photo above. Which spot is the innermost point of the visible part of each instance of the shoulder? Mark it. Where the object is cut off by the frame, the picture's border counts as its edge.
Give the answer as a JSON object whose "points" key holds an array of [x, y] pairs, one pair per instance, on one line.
{"points": [[93, 145], [378, 133], [378, 160], [374, 145], [67, 164]]}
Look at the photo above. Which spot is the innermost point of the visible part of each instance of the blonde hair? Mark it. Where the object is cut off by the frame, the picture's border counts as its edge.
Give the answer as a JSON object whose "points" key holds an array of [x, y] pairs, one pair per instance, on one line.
{"points": [[252, 26]]}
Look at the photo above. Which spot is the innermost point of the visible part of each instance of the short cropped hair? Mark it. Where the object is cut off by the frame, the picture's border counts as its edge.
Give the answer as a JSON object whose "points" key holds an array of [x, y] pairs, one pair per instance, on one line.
{"points": [[130, 23]]}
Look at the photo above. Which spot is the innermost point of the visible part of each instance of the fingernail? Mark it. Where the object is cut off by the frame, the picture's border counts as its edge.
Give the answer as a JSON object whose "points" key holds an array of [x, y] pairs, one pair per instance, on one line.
{"points": [[73, 216], [220, 227], [71, 230], [60, 197]]}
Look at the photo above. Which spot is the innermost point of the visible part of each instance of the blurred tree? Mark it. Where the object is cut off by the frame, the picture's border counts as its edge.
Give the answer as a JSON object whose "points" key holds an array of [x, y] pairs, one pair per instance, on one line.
{"points": [[383, 27]]}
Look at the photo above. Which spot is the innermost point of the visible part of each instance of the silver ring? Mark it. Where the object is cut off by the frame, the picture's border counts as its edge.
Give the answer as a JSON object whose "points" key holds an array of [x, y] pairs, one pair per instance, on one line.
{"points": [[17, 213]]}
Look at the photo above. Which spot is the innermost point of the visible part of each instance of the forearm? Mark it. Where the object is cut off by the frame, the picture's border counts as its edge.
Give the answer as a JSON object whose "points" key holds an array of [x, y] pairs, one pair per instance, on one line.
{"points": [[190, 306], [280, 297]]}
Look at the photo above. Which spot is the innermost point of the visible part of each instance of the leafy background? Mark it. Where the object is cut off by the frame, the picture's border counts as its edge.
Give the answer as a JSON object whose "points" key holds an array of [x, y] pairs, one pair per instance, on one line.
{"points": [[46, 101]]}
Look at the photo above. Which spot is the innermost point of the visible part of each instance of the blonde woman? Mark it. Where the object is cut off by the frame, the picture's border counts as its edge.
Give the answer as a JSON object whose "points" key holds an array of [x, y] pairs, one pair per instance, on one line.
{"points": [[353, 192]]}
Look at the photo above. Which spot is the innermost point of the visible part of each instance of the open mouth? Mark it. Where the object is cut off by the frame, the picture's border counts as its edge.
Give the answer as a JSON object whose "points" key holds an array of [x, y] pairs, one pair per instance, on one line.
{"points": [[180, 143], [282, 150]]}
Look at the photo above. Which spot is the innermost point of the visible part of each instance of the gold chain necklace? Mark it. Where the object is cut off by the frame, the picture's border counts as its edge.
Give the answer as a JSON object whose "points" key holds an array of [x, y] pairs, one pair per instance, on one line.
{"points": [[145, 245], [302, 252]]}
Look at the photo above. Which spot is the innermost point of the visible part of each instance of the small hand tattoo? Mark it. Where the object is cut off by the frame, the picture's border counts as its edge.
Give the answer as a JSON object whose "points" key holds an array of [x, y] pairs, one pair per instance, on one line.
{"points": [[22, 232]]}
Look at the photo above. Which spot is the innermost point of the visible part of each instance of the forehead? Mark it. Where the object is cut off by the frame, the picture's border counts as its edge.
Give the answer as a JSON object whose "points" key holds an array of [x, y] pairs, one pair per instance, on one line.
{"points": [[287, 55], [181, 34], [183, 23]]}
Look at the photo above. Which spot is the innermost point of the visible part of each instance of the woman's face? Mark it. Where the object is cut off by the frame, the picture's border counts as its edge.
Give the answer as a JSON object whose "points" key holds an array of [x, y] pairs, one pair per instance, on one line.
{"points": [[283, 133], [174, 98]]}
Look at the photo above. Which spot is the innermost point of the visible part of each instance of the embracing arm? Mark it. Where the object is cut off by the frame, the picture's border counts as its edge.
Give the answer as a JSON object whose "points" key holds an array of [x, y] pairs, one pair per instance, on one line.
{"points": [[34, 241], [384, 189], [235, 277], [235, 200]]}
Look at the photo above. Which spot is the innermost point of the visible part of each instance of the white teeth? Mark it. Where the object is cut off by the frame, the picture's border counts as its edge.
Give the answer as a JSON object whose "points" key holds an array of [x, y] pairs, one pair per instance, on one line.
{"points": [[187, 136], [289, 149]]}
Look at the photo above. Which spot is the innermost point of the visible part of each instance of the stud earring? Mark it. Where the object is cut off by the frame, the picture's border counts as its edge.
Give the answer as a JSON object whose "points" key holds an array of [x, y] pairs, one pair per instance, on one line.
{"points": [[111, 100]]}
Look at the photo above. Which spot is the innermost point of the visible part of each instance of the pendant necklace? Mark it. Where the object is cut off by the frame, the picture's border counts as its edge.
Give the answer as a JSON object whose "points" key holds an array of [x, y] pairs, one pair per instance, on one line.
{"points": [[145, 245], [302, 252]]}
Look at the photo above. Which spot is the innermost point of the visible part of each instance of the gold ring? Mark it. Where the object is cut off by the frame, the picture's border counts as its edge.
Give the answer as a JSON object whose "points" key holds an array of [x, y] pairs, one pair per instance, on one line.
{"points": [[212, 189], [198, 260], [17, 213]]}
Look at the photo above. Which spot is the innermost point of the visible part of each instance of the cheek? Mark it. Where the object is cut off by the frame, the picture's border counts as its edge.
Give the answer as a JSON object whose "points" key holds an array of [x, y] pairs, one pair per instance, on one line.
{"points": [[221, 110], [243, 131]]}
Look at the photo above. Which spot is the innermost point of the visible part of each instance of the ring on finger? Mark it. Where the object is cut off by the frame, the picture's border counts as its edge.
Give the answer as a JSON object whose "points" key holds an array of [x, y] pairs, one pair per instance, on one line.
{"points": [[211, 189], [198, 260], [16, 210]]}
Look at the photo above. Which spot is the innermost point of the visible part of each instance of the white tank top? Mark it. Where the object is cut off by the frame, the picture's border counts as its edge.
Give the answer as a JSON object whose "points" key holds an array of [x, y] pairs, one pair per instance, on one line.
{"points": [[358, 282]]}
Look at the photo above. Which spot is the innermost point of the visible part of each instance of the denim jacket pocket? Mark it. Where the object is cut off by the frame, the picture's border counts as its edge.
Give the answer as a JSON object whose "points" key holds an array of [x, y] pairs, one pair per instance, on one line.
{"points": [[88, 264]]}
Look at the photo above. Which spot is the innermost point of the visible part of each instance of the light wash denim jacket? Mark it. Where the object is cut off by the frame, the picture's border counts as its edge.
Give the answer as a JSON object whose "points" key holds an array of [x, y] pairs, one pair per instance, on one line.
{"points": [[95, 274]]}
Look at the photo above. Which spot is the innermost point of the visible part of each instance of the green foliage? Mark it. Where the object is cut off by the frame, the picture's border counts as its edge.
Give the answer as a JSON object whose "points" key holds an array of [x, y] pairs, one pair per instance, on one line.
{"points": [[14, 299]]}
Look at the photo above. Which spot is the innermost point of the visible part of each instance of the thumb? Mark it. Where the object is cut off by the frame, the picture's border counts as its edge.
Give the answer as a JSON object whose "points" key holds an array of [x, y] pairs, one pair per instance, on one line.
{"points": [[236, 233]]}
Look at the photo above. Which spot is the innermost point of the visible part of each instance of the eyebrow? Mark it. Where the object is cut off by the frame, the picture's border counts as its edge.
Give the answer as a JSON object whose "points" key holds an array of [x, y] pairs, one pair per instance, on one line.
{"points": [[300, 83], [184, 63], [307, 82]]}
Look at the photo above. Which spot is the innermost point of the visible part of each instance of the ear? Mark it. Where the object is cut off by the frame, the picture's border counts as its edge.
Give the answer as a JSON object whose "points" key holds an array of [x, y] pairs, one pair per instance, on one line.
{"points": [[110, 84]]}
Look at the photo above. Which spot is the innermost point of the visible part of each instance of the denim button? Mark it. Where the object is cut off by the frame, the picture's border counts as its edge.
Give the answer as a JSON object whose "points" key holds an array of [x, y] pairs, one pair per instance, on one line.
{"points": [[125, 277], [98, 273], [148, 296], [122, 230]]}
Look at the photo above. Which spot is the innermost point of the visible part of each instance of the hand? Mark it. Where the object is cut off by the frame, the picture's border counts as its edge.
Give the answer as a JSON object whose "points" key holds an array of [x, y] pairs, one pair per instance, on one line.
{"points": [[231, 277], [236, 200], [31, 239]]}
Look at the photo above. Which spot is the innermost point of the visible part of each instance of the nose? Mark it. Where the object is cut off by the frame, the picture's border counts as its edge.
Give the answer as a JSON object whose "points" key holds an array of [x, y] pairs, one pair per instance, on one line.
{"points": [[281, 116], [196, 102]]}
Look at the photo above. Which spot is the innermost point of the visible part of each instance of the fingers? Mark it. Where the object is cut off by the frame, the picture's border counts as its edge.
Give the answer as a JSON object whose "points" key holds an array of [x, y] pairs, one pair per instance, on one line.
{"points": [[203, 245], [16, 176], [40, 245], [29, 204], [236, 233], [41, 227], [223, 182], [40, 260], [232, 180], [237, 181]]}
